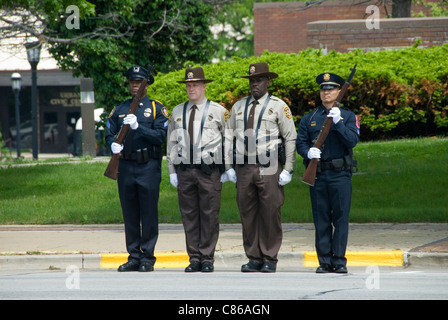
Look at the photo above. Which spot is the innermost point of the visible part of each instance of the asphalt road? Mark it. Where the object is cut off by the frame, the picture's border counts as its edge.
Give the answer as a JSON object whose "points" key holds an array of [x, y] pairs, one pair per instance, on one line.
{"points": [[361, 283]]}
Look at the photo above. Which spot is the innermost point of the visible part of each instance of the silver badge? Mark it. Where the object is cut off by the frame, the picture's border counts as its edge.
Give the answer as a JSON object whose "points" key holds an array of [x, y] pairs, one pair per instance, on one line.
{"points": [[147, 112]]}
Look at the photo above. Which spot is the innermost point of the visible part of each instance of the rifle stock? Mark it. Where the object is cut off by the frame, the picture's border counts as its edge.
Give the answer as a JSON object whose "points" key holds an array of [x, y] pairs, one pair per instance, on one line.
{"points": [[112, 167], [309, 176]]}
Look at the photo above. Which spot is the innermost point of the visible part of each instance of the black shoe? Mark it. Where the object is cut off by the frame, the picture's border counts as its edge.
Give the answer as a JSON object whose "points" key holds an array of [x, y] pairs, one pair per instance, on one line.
{"points": [[269, 267], [207, 267], [251, 266], [340, 269], [324, 268], [132, 265], [194, 266], [146, 267]]}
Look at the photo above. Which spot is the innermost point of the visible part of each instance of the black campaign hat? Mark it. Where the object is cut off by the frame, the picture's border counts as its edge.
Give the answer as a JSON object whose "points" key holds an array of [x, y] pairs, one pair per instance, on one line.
{"points": [[329, 81], [139, 73]]}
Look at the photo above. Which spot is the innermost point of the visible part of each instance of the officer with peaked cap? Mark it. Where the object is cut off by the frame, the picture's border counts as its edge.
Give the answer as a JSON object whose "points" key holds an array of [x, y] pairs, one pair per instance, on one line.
{"points": [[139, 170], [195, 164], [331, 194], [259, 158]]}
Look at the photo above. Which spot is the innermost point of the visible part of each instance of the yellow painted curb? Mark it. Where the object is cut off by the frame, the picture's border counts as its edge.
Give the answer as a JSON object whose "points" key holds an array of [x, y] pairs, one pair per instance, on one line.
{"points": [[392, 258], [163, 260]]}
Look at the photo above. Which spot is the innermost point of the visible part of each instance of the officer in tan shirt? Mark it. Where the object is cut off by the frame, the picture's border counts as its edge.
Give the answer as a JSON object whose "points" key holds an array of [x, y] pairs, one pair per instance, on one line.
{"points": [[195, 164], [259, 157]]}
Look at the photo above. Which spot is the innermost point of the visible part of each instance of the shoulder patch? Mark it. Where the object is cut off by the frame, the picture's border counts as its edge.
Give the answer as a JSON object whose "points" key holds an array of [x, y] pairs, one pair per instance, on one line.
{"points": [[112, 112], [165, 112], [287, 112], [227, 115]]}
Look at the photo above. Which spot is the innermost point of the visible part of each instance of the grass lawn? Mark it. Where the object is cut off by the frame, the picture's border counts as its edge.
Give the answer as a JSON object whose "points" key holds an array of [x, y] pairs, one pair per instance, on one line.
{"points": [[398, 181]]}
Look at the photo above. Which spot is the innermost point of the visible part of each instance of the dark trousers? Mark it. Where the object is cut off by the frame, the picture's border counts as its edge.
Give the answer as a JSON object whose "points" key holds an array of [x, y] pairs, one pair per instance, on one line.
{"points": [[330, 201], [138, 188], [199, 203], [259, 200]]}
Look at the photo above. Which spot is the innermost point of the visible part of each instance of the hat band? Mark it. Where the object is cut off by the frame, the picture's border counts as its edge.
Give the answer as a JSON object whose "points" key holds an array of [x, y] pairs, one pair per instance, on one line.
{"points": [[329, 83]]}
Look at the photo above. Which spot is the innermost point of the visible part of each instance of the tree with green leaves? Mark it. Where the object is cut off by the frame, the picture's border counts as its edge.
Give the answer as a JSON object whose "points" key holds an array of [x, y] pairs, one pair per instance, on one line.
{"points": [[159, 33], [114, 35]]}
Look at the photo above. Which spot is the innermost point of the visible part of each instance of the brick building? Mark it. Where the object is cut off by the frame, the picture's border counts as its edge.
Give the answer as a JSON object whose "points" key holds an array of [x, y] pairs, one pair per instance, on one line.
{"points": [[340, 26]]}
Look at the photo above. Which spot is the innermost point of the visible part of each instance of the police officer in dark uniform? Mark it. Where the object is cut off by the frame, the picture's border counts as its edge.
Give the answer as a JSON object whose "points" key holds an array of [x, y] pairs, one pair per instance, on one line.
{"points": [[331, 194], [139, 170]]}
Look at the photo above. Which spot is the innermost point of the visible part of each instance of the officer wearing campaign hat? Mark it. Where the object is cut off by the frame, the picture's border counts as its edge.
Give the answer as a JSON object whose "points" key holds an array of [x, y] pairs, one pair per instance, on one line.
{"points": [[194, 155], [139, 169], [331, 194], [261, 125]]}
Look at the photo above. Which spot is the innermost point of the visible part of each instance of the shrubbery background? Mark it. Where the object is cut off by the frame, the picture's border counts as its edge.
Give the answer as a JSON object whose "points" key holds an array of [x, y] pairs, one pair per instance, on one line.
{"points": [[395, 93]]}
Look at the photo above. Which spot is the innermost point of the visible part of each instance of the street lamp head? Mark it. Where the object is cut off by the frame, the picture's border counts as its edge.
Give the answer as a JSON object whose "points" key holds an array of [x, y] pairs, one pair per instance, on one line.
{"points": [[87, 92], [33, 51], [16, 82]]}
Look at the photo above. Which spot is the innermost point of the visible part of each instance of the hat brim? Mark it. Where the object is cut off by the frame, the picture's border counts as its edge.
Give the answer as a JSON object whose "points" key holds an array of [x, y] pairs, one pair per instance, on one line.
{"points": [[270, 75], [136, 77], [196, 80], [329, 85]]}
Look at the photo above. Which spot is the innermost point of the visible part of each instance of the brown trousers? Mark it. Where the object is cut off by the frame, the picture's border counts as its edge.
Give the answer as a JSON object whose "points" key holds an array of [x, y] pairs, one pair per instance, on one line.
{"points": [[199, 203], [259, 200]]}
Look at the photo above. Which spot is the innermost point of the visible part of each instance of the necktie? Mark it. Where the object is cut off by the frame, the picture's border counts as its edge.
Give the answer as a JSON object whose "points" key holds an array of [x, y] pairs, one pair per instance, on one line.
{"points": [[249, 141], [250, 120], [190, 123]]}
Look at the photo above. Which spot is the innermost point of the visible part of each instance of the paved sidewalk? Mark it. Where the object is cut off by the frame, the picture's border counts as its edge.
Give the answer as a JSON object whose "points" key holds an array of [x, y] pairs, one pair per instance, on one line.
{"points": [[102, 246]]}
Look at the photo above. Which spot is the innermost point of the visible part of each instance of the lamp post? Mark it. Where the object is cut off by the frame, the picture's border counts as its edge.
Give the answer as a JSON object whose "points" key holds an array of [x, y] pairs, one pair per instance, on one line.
{"points": [[16, 83], [33, 54], [88, 120]]}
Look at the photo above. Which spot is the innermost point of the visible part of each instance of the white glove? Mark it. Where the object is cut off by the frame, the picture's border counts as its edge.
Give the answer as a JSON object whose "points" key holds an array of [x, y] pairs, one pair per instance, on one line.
{"points": [[173, 179], [116, 148], [131, 120], [231, 174], [335, 112], [314, 153], [284, 178], [224, 177]]}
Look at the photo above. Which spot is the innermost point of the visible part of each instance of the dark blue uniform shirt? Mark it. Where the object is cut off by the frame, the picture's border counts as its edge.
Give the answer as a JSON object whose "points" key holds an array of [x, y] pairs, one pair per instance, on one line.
{"points": [[343, 135], [152, 123]]}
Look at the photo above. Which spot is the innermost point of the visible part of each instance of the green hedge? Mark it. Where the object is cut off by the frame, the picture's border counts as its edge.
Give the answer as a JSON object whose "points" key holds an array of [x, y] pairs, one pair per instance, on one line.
{"points": [[394, 93]]}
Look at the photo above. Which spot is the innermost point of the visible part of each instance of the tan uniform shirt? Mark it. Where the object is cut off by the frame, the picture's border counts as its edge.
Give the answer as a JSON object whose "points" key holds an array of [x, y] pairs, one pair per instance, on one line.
{"points": [[276, 123], [207, 146]]}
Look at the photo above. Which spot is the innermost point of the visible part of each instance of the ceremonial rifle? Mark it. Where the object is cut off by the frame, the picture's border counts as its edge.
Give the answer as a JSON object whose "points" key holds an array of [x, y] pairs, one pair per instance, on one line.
{"points": [[309, 176], [112, 168]]}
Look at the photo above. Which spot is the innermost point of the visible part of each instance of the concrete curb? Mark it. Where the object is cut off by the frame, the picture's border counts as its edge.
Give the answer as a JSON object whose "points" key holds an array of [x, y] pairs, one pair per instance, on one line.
{"points": [[223, 260], [427, 259]]}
